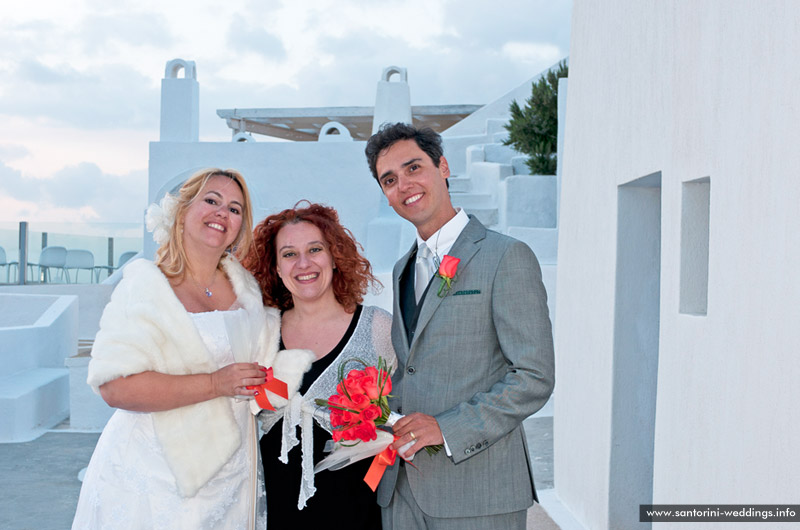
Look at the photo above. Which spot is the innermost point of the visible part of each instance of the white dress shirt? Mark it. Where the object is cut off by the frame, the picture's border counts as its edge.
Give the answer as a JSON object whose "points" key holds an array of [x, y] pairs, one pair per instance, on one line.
{"points": [[439, 244]]}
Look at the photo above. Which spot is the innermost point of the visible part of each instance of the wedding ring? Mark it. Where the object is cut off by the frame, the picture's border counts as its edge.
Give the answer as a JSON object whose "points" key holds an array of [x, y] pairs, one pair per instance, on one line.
{"points": [[412, 435]]}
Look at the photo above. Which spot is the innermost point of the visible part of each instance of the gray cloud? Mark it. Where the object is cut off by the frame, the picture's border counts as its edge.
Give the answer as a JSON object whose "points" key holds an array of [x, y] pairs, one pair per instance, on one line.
{"points": [[243, 36], [13, 184], [12, 152], [26, 39], [115, 96], [99, 32], [437, 75], [45, 80], [40, 77], [115, 198], [36, 73], [464, 65], [487, 25]]}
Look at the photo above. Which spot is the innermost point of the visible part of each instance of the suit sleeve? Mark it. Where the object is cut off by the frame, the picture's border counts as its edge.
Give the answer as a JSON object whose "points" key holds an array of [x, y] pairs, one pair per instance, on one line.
{"points": [[525, 341]]}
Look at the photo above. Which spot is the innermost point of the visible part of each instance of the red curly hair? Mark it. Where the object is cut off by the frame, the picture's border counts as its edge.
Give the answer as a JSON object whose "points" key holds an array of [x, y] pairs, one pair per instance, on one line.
{"points": [[351, 277]]}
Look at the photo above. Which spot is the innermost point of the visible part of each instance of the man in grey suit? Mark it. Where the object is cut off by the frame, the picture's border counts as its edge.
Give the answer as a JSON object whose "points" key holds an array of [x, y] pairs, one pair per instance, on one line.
{"points": [[474, 360]]}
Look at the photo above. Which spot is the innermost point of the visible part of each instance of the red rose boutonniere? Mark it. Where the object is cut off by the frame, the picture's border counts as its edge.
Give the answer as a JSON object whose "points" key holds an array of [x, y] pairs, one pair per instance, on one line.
{"points": [[447, 272]]}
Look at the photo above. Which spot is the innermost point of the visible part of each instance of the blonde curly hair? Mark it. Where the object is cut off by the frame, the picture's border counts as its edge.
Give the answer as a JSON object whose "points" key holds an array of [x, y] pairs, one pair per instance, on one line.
{"points": [[171, 256]]}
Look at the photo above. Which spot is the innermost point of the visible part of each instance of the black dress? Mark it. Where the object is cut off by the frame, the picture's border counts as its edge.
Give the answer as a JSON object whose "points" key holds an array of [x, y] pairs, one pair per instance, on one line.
{"points": [[342, 496]]}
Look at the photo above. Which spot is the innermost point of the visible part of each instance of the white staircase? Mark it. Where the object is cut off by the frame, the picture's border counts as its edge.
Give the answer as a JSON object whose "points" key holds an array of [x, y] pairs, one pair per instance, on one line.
{"points": [[37, 332], [494, 185]]}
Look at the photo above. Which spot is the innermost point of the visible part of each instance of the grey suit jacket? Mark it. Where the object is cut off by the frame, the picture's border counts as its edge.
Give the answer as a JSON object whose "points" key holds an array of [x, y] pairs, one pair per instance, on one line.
{"points": [[480, 361]]}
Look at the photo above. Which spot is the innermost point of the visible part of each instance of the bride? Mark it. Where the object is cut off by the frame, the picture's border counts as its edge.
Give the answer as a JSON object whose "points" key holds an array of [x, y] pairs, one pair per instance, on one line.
{"points": [[182, 347]]}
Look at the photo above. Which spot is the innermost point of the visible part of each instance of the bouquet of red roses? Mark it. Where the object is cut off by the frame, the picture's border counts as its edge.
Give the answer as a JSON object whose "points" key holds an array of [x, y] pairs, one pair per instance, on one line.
{"points": [[360, 404]]}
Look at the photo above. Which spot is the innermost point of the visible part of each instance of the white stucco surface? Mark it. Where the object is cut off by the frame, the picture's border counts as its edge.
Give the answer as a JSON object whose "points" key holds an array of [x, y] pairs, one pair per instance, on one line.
{"points": [[92, 299], [690, 90], [87, 410], [34, 385]]}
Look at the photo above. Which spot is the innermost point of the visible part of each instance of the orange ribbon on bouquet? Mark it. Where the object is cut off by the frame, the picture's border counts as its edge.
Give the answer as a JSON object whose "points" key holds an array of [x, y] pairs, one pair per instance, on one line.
{"points": [[274, 385], [378, 467]]}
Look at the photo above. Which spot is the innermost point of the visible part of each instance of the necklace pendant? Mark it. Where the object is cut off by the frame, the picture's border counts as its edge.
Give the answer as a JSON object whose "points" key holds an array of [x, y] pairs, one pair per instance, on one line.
{"points": [[208, 293]]}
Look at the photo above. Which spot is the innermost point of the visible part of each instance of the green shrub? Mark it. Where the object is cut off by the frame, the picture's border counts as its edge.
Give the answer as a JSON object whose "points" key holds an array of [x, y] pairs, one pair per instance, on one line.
{"points": [[533, 129]]}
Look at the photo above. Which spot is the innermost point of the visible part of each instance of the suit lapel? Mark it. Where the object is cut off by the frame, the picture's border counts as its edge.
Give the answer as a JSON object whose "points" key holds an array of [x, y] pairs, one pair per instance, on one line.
{"points": [[465, 247], [399, 330]]}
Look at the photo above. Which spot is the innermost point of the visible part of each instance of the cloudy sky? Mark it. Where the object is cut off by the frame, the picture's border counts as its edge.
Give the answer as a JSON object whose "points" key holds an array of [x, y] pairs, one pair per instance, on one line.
{"points": [[80, 80]]}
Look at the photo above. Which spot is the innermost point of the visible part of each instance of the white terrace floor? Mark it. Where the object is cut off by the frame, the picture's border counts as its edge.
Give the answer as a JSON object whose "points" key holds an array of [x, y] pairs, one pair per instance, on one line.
{"points": [[40, 478]]}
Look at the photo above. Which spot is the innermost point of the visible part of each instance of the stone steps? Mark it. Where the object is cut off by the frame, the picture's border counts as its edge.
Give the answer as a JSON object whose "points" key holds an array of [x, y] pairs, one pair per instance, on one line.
{"points": [[503, 154], [488, 216], [32, 401], [460, 184], [493, 170], [543, 242], [87, 410], [470, 201]]}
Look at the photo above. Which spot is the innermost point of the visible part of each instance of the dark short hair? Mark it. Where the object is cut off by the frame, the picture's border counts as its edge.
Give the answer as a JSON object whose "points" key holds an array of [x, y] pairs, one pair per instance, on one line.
{"points": [[390, 133], [351, 277]]}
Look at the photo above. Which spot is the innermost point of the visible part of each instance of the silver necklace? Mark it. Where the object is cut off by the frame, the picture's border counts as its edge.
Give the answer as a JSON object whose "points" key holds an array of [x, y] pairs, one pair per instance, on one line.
{"points": [[436, 261], [207, 290]]}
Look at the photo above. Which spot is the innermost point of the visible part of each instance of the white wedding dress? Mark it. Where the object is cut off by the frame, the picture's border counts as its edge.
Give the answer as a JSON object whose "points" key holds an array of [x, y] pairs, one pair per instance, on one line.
{"points": [[128, 483]]}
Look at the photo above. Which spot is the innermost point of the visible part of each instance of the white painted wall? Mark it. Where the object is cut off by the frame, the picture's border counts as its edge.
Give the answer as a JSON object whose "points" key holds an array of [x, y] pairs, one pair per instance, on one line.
{"points": [[691, 90]]}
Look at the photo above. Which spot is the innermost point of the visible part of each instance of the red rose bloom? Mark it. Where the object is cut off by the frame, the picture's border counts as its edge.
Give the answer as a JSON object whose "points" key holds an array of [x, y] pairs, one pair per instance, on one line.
{"points": [[370, 383], [371, 413], [449, 266], [360, 401], [386, 381], [350, 434], [365, 431], [353, 382], [348, 417]]}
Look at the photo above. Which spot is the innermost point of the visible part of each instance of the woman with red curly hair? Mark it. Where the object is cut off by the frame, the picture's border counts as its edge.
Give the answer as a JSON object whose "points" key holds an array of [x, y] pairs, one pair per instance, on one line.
{"points": [[309, 266]]}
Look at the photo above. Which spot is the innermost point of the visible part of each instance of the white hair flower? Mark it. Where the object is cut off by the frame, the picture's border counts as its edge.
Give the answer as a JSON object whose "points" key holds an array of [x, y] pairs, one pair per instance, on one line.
{"points": [[160, 218]]}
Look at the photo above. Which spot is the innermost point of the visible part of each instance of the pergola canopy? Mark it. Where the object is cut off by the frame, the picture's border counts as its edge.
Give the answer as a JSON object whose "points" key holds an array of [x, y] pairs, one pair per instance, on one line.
{"points": [[304, 124]]}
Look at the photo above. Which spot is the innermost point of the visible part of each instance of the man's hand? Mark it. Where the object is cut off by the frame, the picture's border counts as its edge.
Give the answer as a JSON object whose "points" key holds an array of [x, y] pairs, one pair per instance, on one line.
{"points": [[419, 428]]}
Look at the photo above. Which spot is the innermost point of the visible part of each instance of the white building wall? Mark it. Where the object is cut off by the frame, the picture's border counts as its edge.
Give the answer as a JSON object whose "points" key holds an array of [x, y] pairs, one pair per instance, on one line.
{"points": [[690, 90]]}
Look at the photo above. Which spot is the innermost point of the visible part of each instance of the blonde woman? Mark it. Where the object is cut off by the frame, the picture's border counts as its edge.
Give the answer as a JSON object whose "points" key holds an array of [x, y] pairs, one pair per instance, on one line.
{"points": [[183, 344]]}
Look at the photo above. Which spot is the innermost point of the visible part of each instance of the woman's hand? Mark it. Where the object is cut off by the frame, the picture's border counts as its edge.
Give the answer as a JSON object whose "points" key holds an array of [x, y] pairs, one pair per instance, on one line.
{"points": [[233, 380], [153, 391]]}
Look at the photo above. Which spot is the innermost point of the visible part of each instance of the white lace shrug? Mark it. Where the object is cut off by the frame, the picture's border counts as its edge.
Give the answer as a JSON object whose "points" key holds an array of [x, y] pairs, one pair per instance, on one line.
{"points": [[370, 340]]}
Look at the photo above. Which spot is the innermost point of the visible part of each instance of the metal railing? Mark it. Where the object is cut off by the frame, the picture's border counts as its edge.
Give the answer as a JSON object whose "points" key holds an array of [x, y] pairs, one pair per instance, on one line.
{"points": [[89, 250]]}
